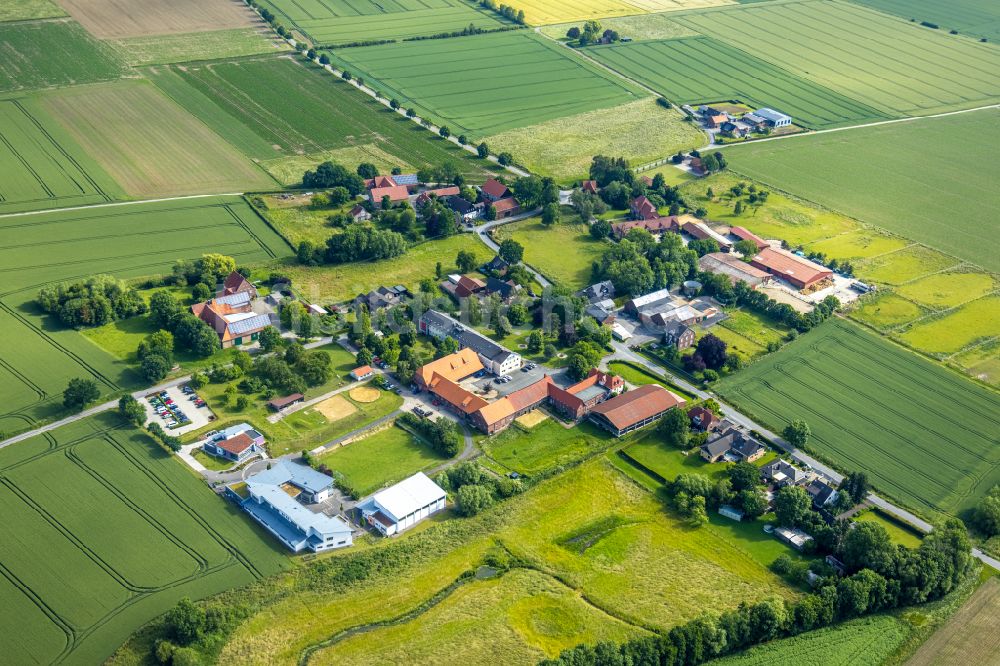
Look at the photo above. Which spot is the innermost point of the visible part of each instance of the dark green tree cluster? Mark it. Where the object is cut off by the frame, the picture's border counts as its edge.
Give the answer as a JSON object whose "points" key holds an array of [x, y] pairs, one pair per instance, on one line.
{"points": [[508, 12], [209, 270], [189, 627], [156, 355], [638, 264], [170, 442], [474, 489], [131, 410], [534, 192], [331, 174], [80, 392], [95, 301], [986, 515], [363, 242], [742, 294], [442, 434]]}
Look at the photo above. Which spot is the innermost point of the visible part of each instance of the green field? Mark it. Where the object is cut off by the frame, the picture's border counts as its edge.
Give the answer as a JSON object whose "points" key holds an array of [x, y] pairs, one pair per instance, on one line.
{"points": [[274, 108], [544, 446], [979, 18], [41, 166], [973, 323], [20, 10], [190, 46], [563, 252], [877, 60], [462, 82], [53, 53], [129, 240], [907, 178], [877, 407], [899, 533], [105, 532], [380, 459], [700, 69]]}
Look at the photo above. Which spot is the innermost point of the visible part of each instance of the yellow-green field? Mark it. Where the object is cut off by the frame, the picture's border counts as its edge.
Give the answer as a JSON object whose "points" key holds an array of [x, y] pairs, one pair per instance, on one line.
{"points": [[19, 10], [858, 244], [289, 170], [562, 252], [887, 311], [905, 265], [976, 321], [982, 362], [946, 290], [191, 46], [640, 131]]}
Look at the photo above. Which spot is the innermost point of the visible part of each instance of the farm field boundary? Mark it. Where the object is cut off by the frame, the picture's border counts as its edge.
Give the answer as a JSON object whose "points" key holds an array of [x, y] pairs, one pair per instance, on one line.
{"points": [[115, 19], [874, 406]]}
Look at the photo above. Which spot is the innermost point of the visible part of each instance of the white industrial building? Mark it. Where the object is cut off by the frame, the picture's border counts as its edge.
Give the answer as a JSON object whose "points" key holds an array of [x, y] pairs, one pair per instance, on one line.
{"points": [[403, 505]]}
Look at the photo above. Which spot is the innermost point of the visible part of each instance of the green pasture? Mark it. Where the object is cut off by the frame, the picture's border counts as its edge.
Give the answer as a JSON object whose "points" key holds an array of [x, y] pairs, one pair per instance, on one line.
{"points": [[903, 266], [273, 108], [487, 84], [53, 53], [544, 446], [106, 532], [380, 459], [946, 290], [931, 180], [564, 253], [20, 10], [982, 362], [697, 70], [975, 18], [887, 311], [874, 406], [896, 67], [973, 323], [41, 166], [861, 243], [130, 240], [192, 46]]}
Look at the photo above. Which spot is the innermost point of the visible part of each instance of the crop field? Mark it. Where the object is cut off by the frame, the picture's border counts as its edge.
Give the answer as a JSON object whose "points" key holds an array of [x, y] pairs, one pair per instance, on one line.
{"points": [[128, 240], [903, 177], [344, 281], [151, 146], [866, 641], [462, 83], [276, 107], [971, 636], [874, 406], [187, 47], [701, 69], [53, 53], [563, 252], [544, 446], [104, 533], [380, 459], [641, 132], [540, 12], [877, 60], [20, 10], [41, 166], [118, 19], [978, 18]]}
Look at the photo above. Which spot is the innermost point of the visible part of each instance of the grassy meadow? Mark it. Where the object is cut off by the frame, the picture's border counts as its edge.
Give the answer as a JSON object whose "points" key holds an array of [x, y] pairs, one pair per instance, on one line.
{"points": [[462, 83], [900, 533], [105, 532], [53, 53], [189, 47], [562, 252], [545, 446], [21, 10], [874, 406]]}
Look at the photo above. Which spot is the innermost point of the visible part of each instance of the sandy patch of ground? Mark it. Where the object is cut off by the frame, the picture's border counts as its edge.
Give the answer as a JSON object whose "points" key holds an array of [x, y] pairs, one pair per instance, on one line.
{"points": [[335, 408], [365, 394], [532, 418]]}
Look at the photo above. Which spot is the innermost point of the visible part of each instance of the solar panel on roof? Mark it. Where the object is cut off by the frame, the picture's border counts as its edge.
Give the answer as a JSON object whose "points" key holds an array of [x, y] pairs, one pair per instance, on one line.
{"points": [[239, 298], [248, 325], [406, 179]]}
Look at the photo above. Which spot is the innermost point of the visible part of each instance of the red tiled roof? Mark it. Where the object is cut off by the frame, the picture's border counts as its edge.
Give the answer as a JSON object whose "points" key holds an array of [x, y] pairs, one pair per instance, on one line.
{"points": [[380, 181], [394, 192], [636, 405], [644, 208], [235, 283], [236, 445], [494, 188], [589, 186], [504, 205], [652, 225], [362, 371], [797, 270], [462, 400], [455, 366], [746, 234], [468, 285]]}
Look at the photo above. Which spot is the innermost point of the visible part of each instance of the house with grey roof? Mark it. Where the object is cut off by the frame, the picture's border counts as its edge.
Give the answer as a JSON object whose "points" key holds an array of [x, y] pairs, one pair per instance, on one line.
{"points": [[496, 358]]}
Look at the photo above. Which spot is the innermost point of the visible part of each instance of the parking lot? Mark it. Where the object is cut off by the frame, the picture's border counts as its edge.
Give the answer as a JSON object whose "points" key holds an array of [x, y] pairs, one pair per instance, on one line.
{"points": [[519, 379], [167, 407]]}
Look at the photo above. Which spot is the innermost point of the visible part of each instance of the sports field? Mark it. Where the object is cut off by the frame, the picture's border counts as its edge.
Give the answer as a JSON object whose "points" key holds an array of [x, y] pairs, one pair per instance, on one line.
{"points": [[877, 407], [700, 69], [129, 240], [105, 532], [978, 18], [151, 146], [273, 108], [41, 166], [117, 19], [487, 84], [903, 177], [878, 60], [53, 53], [191, 46]]}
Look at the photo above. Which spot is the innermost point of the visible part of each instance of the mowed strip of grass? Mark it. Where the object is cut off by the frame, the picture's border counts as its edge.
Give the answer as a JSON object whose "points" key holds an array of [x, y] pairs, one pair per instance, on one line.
{"points": [[41, 166], [882, 62], [462, 82], [105, 532], [188, 47], [906, 178], [398, 25], [53, 53], [151, 146], [701, 69], [279, 107], [874, 406]]}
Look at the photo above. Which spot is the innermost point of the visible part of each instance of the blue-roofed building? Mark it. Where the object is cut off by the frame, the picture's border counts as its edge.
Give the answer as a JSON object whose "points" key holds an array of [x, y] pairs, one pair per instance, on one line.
{"points": [[773, 118], [275, 498]]}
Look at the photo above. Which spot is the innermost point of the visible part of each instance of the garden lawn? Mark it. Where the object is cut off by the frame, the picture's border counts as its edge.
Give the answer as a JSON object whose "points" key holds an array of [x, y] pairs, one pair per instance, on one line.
{"points": [[380, 459], [641, 132], [188, 47], [564, 252], [899, 533], [544, 446], [872, 405], [881, 175], [462, 83], [53, 53]]}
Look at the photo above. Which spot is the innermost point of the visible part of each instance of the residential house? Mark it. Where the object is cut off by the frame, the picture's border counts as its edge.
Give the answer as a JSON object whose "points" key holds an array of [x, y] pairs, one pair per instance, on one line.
{"points": [[598, 292], [233, 318], [783, 473], [496, 266], [505, 289], [235, 283], [506, 207], [734, 267], [822, 493], [275, 498], [278, 404], [634, 409], [589, 186], [643, 209], [679, 336], [382, 297], [463, 208], [736, 129], [362, 373], [396, 194], [235, 444], [359, 213], [602, 311], [702, 418], [733, 445], [747, 449], [715, 450], [440, 193], [494, 190], [798, 271], [468, 286], [773, 118], [655, 225], [716, 120], [403, 505], [494, 357]]}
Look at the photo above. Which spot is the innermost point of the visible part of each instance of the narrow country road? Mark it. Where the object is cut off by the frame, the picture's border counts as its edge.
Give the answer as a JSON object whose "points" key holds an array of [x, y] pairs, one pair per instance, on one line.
{"points": [[482, 232]]}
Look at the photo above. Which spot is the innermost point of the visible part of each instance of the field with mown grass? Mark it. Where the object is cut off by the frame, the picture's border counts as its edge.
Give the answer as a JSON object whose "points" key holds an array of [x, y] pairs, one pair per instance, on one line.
{"points": [[901, 266], [907, 69], [105, 532], [900, 534], [976, 18], [697, 70], [545, 446], [273, 108], [562, 252], [974, 322], [861, 243], [872, 405], [945, 290], [930, 180], [461, 82], [887, 311], [128, 241], [20, 10], [53, 53], [188, 47], [641, 132]]}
